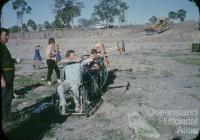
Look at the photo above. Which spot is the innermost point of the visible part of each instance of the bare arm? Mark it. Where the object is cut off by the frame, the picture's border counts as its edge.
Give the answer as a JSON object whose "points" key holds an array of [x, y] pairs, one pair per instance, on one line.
{"points": [[68, 61], [3, 82]]}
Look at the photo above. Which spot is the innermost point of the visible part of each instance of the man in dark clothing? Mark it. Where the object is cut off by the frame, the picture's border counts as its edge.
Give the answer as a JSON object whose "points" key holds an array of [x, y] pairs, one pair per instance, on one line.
{"points": [[7, 75]]}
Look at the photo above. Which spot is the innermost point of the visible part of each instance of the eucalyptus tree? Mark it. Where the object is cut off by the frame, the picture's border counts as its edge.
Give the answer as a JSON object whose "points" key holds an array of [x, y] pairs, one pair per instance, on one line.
{"points": [[121, 8], [21, 7], [31, 23], [15, 29], [57, 23], [67, 10], [172, 15], [47, 25], [107, 10], [24, 28], [181, 14], [39, 27]]}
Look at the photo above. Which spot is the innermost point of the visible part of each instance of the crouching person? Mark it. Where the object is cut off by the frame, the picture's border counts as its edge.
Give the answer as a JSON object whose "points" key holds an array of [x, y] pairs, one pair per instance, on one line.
{"points": [[72, 81]]}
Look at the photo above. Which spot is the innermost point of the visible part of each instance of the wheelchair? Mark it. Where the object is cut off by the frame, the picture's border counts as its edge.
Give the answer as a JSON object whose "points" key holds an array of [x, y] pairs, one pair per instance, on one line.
{"points": [[90, 94]]}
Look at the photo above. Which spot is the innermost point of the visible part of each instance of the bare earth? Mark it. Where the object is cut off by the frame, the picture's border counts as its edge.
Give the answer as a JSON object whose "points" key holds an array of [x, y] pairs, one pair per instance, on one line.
{"points": [[165, 78]]}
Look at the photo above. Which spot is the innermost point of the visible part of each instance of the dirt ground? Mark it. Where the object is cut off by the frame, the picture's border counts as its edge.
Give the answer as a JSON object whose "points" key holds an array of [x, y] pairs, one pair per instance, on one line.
{"points": [[162, 102]]}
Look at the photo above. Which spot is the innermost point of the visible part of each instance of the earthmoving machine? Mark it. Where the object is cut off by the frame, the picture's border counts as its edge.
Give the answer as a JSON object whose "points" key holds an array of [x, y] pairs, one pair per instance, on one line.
{"points": [[160, 26]]}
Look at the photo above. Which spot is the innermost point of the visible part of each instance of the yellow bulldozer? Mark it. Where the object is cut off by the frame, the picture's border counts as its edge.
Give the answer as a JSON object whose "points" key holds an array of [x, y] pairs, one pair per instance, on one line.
{"points": [[160, 26]]}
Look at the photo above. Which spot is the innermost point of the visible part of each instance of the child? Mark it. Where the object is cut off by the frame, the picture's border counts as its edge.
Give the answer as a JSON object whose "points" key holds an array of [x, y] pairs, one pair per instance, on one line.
{"points": [[37, 57], [51, 61], [58, 56], [101, 49]]}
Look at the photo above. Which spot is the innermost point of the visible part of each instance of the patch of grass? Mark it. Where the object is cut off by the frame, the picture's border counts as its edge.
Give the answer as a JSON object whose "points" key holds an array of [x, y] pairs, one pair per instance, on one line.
{"points": [[16, 120], [191, 61], [101, 119], [169, 130], [113, 134], [198, 75], [29, 79], [195, 97], [121, 99]]}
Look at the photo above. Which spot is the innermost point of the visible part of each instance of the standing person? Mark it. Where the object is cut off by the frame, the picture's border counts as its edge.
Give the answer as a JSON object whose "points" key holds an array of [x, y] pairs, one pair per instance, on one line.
{"points": [[37, 57], [58, 56], [7, 75], [101, 49], [51, 61], [123, 46]]}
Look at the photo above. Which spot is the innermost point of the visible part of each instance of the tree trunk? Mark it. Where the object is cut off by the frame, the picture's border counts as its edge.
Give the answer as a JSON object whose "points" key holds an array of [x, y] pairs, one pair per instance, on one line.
{"points": [[72, 24], [119, 26]]}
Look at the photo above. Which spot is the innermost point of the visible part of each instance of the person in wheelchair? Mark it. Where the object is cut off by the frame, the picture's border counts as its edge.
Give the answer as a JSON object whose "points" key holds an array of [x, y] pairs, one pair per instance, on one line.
{"points": [[73, 76], [91, 75]]}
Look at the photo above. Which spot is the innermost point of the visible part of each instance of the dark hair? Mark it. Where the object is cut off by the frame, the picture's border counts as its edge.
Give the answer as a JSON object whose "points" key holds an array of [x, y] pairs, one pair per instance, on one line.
{"points": [[94, 51], [51, 40], [69, 52], [3, 30]]}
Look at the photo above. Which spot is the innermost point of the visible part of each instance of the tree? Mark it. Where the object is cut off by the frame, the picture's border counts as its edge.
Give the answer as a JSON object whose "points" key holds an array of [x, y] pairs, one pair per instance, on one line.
{"points": [[107, 10], [15, 29], [24, 28], [172, 15], [39, 27], [181, 14], [57, 23], [67, 10], [121, 7], [83, 22], [32, 24], [21, 7], [153, 19], [47, 25]]}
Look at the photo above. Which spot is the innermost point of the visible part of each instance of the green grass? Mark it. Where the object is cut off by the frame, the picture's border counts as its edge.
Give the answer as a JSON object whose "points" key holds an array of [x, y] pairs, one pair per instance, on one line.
{"points": [[16, 120], [191, 61], [186, 58], [197, 75]]}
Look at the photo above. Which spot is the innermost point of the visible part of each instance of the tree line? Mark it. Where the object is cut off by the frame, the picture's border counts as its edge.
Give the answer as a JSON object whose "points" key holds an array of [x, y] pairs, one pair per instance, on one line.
{"points": [[105, 11], [172, 15]]}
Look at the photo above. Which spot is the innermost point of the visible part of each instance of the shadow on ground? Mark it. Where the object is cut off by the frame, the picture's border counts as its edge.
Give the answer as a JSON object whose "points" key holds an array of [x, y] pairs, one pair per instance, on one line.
{"points": [[35, 127], [28, 88], [110, 80]]}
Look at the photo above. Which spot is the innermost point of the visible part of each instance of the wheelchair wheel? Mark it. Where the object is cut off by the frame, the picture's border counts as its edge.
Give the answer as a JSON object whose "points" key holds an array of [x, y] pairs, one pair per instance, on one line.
{"points": [[55, 102], [103, 75], [85, 101]]}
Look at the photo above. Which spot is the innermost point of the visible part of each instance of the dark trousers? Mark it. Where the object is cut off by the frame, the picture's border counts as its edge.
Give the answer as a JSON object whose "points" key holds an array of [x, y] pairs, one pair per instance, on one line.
{"points": [[7, 95], [52, 65]]}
